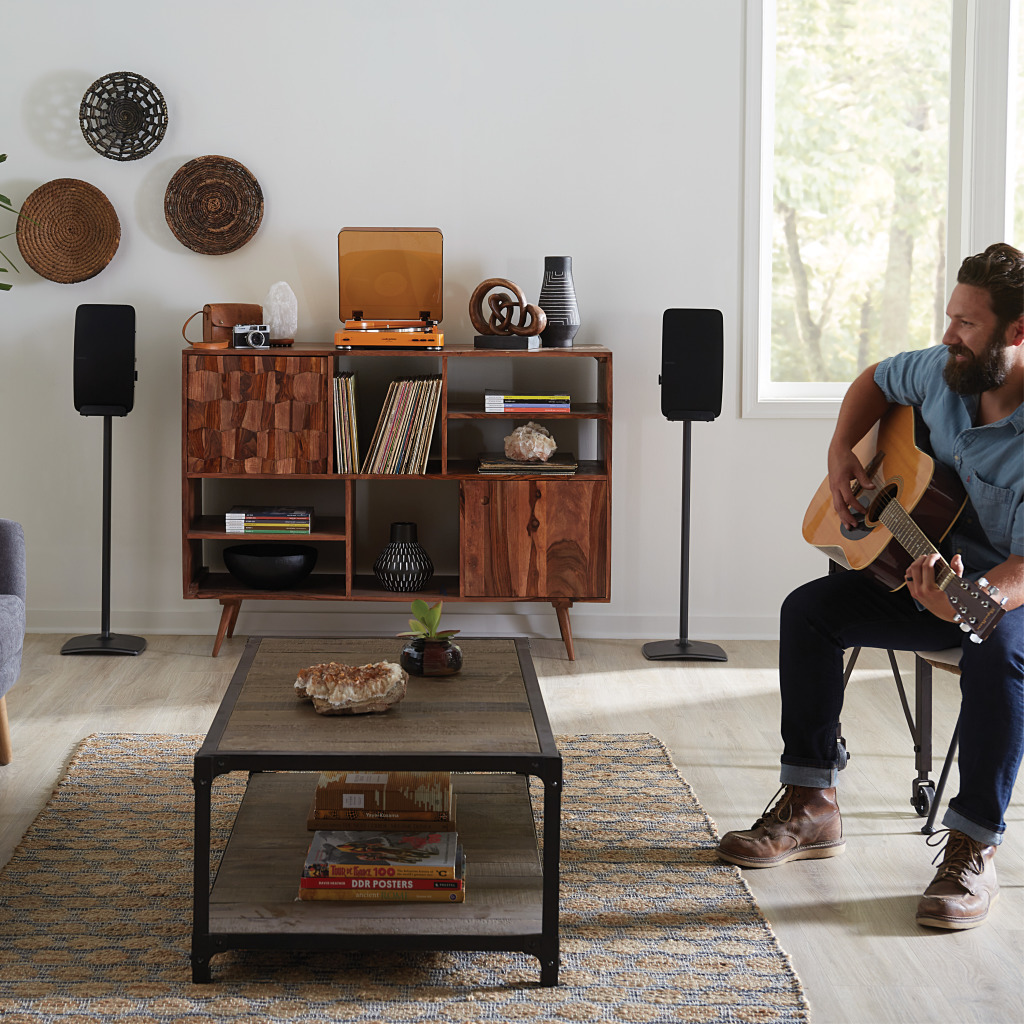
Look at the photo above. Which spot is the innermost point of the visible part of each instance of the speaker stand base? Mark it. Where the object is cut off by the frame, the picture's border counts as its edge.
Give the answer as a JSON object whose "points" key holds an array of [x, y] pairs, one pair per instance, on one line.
{"points": [[683, 650], [105, 643]]}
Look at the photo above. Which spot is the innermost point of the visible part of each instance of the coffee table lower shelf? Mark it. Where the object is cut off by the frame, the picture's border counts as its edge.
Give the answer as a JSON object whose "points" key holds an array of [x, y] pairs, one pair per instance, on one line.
{"points": [[253, 901]]}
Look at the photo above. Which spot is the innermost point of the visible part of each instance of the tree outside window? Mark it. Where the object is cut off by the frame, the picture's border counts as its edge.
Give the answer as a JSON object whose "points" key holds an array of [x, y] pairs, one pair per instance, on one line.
{"points": [[860, 184]]}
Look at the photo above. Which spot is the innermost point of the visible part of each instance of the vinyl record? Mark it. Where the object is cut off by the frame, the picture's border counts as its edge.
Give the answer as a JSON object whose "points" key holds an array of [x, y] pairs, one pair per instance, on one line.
{"points": [[68, 231], [213, 205], [123, 116]]}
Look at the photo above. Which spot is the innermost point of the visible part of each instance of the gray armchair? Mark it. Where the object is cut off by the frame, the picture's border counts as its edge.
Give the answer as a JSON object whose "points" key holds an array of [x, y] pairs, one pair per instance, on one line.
{"points": [[12, 620]]}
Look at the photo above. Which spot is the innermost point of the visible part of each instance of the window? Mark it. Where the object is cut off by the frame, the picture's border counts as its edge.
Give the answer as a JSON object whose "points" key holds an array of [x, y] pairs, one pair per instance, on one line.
{"points": [[877, 138]]}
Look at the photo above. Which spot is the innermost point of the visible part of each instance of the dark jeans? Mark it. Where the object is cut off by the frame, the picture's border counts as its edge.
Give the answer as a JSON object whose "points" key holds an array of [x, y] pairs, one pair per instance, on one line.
{"points": [[847, 609]]}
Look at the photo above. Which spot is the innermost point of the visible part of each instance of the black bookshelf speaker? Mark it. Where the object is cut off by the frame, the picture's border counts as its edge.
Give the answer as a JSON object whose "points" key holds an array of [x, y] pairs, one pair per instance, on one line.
{"points": [[104, 359], [692, 342]]}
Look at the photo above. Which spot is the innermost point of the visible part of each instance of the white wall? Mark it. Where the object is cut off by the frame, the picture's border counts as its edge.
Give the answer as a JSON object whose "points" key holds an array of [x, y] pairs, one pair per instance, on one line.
{"points": [[608, 131]]}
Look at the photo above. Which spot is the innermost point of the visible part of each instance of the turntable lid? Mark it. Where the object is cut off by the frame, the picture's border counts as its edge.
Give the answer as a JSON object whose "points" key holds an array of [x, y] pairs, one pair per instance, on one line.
{"points": [[390, 274]]}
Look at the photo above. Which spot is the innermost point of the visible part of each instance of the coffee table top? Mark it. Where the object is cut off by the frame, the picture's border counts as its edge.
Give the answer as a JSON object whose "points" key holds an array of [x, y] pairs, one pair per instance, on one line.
{"points": [[491, 713]]}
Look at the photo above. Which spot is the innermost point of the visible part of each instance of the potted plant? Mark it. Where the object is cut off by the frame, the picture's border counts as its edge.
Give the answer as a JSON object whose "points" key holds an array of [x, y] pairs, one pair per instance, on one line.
{"points": [[430, 651], [5, 204]]}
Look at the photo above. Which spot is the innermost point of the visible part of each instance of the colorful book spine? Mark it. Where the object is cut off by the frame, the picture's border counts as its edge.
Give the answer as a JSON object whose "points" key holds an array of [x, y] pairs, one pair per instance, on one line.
{"points": [[381, 896]]}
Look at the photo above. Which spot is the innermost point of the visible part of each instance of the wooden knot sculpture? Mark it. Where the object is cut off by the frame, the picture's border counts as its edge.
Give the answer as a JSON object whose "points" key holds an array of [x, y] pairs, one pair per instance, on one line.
{"points": [[507, 316]]}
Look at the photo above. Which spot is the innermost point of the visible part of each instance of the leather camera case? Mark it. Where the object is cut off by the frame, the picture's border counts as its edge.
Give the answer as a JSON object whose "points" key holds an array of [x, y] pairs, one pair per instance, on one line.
{"points": [[219, 318]]}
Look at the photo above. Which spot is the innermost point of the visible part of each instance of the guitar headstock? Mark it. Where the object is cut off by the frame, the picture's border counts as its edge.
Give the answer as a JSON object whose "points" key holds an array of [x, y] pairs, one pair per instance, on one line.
{"points": [[977, 605]]}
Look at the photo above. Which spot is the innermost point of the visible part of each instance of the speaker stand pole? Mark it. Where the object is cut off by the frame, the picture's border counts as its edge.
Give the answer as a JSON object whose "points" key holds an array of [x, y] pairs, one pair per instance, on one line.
{"points": [[105, 642], [684, 649]]}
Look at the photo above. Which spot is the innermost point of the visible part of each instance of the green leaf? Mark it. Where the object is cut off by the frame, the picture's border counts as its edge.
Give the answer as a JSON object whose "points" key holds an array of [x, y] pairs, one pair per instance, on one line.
{"points": [[420, 609], [3, 157], [4, 287], [433, 617]]}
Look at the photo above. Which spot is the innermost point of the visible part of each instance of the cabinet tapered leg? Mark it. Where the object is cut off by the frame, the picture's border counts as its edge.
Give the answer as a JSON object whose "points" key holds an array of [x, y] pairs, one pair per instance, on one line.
{"points": [[228, 617], [564, 626]]}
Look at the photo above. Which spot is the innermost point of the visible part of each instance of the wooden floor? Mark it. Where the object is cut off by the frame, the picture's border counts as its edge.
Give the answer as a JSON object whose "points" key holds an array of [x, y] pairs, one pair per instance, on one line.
{"points": [[848, 922]]}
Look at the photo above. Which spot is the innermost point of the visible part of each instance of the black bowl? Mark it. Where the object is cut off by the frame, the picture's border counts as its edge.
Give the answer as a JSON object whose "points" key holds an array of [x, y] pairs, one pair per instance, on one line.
{"points": [[270, 566]]}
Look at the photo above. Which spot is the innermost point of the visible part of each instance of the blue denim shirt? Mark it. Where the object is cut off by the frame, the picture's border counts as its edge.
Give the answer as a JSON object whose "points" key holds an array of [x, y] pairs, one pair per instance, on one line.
{"points": [[988, 459]]}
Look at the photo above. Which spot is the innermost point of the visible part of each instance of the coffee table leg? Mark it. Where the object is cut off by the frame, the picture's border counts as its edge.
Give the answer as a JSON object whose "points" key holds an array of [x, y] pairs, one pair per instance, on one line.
{"points": [[202, 782], [549, 958]]}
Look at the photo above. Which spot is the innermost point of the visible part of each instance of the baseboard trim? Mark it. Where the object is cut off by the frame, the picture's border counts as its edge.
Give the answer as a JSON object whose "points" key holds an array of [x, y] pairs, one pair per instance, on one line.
{"points": [[473, 619]]}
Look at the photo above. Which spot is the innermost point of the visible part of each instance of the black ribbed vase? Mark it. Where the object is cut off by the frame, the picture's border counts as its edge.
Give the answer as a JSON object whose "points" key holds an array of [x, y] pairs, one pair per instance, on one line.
{"points": [[558, 300], [403, 565]]}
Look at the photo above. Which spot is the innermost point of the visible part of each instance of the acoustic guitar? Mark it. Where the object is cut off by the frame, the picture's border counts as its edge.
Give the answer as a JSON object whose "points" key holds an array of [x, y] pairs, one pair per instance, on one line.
{"points": [[913, 506]]}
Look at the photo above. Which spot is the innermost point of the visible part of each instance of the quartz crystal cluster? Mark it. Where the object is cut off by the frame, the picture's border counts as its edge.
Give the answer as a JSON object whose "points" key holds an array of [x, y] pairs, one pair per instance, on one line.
{"points": [[532, 443], [351, 689]]}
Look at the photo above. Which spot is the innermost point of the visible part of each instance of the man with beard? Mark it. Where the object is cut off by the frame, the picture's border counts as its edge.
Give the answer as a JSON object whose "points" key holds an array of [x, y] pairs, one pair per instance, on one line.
{"points": [[970, 391]]}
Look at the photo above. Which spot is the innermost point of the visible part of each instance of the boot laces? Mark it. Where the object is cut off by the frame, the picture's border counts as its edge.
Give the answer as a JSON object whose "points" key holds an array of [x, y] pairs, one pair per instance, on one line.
{"points": [[961, 856], [779, 814]]}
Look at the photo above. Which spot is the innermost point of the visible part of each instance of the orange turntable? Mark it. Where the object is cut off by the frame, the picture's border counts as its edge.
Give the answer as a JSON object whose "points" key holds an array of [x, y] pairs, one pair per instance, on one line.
{"points": [[389, 288]]}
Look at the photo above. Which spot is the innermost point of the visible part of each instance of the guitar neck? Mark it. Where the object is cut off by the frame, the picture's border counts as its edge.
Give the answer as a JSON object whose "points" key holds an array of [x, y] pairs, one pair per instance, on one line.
{"points": [[911, 538]]}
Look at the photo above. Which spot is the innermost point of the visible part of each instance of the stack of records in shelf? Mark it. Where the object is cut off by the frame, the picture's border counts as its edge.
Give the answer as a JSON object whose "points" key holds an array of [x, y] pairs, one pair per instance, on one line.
{"points": [[346, 433], [268, 519], [559, 464], [401, 440], [521, 404], [384, 835]]}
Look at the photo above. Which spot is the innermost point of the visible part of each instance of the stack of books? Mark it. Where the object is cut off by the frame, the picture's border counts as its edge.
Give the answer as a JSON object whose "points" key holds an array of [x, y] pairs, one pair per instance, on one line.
{"points": [[384, 835], [346, 433], [401, 440], [268, 519], [516, 403], [559, 464], [423, 867]]}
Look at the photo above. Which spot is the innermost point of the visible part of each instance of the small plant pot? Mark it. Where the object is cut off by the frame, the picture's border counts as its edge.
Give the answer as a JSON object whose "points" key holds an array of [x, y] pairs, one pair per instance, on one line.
{"points": [[421, 657]]}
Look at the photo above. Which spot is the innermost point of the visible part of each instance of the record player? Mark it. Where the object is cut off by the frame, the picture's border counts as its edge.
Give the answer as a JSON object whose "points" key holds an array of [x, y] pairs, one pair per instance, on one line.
{"points": [[389, 288]]}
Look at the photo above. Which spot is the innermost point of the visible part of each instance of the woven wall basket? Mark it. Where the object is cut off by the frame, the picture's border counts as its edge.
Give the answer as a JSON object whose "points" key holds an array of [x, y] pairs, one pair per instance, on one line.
{"points": [[213, 205], [123, 116], [68, 231]]}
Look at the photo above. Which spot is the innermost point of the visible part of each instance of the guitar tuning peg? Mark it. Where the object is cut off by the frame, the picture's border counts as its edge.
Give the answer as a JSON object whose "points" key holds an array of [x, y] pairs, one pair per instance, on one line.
{"points": [[1002, 604], [956, 618], [975, 639], [993, 591], [982, 582], [965, 627]]}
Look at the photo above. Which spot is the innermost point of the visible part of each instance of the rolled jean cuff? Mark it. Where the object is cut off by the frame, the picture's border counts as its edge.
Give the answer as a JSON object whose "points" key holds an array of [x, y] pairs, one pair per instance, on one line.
{"points": [[812, 778], [979, 833]]}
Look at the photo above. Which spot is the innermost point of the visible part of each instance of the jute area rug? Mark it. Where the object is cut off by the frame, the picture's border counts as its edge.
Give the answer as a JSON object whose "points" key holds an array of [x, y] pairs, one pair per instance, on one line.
{"points": [[96, 910]]}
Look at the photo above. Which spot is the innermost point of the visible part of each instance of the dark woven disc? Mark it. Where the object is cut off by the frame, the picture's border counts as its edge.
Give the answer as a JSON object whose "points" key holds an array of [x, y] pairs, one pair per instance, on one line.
{"points": [[123, 116], [213, 205], [68, 231]]}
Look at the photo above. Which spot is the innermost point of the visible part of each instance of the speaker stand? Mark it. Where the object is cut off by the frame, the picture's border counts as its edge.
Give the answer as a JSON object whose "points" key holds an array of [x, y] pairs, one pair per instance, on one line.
{"points": [[105, 642], [684, 649]]}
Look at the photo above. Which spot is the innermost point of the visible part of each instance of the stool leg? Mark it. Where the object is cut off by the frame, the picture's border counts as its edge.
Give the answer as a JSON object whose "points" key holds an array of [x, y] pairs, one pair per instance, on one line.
{"points": [[929, 826]]}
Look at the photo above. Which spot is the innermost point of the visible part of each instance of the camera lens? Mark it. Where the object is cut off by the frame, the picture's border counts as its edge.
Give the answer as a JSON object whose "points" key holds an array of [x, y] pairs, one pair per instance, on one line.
{"points": [[256, 339]]}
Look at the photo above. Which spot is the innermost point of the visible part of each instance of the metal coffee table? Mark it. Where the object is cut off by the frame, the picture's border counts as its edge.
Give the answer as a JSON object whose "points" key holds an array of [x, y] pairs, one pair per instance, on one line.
{"points": [[488, 720]]}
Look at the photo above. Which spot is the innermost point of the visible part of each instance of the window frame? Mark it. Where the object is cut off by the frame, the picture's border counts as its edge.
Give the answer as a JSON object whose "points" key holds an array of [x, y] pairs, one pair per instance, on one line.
{"points": [[980, 203]]}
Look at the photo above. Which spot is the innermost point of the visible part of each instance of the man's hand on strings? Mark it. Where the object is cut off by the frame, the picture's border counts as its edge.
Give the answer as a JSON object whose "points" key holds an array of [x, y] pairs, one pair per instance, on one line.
{"points": [[843, 468], [920, 579]]}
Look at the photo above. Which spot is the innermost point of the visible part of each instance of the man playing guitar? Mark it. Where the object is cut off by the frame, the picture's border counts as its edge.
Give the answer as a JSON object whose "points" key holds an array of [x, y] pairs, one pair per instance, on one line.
{"points": [[970, 394]]}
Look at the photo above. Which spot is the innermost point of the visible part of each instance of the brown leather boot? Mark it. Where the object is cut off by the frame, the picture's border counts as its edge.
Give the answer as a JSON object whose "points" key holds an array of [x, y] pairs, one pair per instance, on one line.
{"points": [[803, 825], [964, 887]]}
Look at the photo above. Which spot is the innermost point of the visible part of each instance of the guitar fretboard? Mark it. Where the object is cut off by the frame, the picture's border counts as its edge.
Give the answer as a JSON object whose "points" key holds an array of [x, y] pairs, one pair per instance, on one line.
{"points": [[911, 538]]}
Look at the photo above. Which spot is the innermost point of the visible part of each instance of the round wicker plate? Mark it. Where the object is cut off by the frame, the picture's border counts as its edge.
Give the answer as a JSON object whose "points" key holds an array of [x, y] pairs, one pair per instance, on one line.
{"points": [[68, 231], [123, 116], [213, 205]]}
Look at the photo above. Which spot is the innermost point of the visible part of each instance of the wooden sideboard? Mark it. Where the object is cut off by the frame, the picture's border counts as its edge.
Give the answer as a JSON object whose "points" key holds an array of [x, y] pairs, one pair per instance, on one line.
{"points": [[258, 428]]}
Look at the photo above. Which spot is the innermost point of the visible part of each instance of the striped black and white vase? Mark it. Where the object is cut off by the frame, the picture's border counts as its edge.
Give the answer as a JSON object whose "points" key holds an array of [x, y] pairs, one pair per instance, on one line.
{"points": [[558, 300], [403, 565]]}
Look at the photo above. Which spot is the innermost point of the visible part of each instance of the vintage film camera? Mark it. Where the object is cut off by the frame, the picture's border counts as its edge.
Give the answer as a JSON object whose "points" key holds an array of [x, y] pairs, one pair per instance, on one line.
{"points": [[250, 336]]}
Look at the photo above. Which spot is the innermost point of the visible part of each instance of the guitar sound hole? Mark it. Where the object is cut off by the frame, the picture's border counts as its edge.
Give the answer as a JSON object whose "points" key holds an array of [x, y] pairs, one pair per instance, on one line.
{"points": [[888, 493]]}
